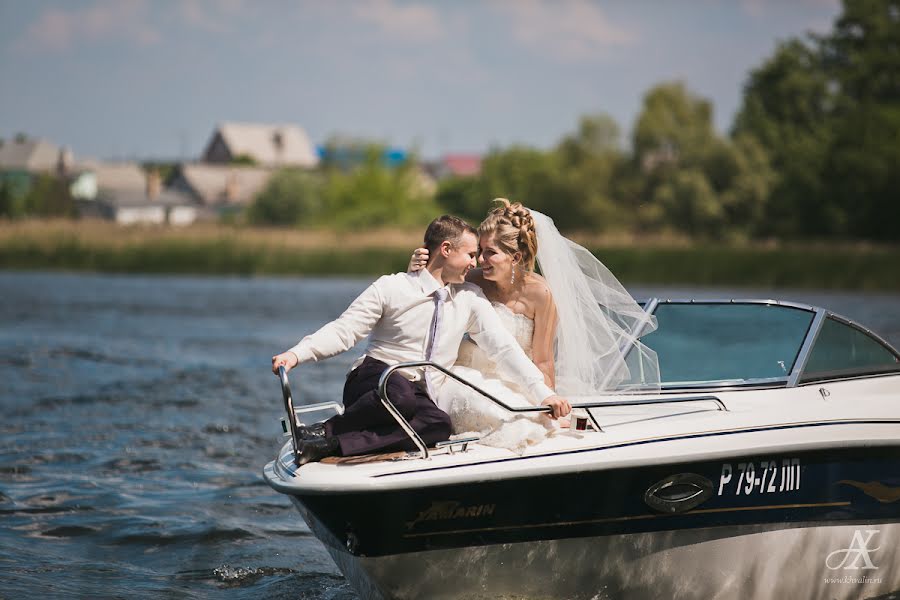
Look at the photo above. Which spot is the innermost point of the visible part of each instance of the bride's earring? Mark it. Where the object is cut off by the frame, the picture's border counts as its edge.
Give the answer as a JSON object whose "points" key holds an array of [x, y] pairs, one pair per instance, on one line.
{"points": [[512, 279]]}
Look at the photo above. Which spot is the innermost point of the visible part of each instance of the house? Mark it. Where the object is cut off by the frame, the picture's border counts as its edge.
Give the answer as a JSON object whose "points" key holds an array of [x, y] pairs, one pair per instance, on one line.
{"points": [[135, 207], [220, 187], [33, 156], [126, 194], [456, 165], [261, 144]]}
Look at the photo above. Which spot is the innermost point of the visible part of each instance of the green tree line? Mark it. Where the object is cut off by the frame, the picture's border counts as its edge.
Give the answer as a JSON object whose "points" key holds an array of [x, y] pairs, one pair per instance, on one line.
{"points": [[814, 151]]}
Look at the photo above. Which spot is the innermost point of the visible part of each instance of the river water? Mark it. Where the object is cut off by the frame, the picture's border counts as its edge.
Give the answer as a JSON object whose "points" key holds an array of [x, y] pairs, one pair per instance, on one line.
{"points": [[138, 413]]}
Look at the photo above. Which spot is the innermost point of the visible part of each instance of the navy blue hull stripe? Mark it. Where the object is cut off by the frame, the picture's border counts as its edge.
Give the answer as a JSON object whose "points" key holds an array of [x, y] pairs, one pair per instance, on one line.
{"points": [[629, 518]]}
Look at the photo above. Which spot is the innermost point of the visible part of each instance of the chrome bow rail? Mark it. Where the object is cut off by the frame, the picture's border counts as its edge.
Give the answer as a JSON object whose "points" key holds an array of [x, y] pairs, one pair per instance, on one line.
{"points": [[292, 424], [423, 449]]}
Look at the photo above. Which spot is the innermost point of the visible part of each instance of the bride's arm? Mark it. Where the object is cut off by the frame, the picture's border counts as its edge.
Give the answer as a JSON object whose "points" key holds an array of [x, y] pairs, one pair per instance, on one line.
{"points": [[418, 261], [545, 320]]}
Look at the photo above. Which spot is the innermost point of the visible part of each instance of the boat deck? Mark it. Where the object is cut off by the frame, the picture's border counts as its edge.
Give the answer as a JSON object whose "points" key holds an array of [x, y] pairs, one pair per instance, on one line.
{"points": [[758, 421]]}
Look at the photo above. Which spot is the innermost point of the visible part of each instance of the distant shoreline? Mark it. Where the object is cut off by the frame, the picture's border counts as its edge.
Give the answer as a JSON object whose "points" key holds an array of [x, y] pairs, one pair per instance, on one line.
{"points": [[223, 250]]}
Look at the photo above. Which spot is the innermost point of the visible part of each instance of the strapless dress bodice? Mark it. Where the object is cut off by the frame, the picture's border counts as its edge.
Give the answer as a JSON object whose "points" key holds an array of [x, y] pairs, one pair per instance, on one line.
{"points": [[520, 326]]}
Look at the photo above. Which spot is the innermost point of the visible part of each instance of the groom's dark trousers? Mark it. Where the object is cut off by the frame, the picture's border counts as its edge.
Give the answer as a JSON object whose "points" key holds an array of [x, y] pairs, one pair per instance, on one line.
{"points": [[366, 426]]}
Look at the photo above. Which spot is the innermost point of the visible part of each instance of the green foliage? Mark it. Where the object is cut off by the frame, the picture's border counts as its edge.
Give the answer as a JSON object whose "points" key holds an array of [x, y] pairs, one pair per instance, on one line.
{"points": [[690, 204], [827, 113], [13, 191], [674, 127], [742, 174], [786, 107], [570, 183], [368, 195], [374, 194], [814, 266], [49, 197], [462, 196], [862, 168], [532, 177], [244, 159], [292, 197], [26, 195]]}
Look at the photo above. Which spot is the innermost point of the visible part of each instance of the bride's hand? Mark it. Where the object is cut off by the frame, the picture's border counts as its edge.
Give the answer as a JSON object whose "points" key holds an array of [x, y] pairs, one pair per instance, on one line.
{"points": [[560, 406], [418, 260]]}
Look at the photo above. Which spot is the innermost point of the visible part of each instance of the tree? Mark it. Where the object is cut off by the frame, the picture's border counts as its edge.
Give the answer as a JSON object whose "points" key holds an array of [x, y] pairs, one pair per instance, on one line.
{"points": [[827, 113], [674, 127], [597, 136], [292, 197], [690, 204], [787, 107], [463, 196], [741, 173], [375, 194], [49, 197], [589, 161], [862, 171], [675, 145]]}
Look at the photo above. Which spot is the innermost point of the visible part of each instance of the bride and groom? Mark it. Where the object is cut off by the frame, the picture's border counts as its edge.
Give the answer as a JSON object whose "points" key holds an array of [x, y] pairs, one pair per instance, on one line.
{"points": [[510, 331]]}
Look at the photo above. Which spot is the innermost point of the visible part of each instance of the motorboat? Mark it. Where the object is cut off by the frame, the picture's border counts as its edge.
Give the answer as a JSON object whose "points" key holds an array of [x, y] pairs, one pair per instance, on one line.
{"points": [[765, 465]]}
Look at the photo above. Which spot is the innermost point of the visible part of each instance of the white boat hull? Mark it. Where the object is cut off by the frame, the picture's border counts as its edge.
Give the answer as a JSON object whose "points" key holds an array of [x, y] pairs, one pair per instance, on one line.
{"points": [[799, 563]]}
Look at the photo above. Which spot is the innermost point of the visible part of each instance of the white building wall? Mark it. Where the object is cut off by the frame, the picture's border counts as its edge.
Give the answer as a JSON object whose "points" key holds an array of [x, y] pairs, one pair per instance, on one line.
{"points": [[182, 215], [154, 215]]}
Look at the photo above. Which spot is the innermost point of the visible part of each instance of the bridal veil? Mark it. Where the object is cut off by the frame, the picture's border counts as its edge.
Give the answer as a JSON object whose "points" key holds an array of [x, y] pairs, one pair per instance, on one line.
{"points": [[598, 349]]}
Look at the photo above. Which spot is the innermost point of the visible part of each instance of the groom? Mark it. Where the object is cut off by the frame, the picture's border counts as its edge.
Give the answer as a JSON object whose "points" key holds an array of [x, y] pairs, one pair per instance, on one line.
{"points": [[411, 317]]}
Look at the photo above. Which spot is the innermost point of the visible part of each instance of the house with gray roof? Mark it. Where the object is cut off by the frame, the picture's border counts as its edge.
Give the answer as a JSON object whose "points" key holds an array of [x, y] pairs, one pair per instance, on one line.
{"points": [[34, 156], [126, 194], [221, 187], [263, 144]]}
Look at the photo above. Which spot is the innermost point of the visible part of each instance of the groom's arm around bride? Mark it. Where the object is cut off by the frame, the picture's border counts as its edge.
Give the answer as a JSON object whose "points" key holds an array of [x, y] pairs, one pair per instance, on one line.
{"points": [[410, 317]]}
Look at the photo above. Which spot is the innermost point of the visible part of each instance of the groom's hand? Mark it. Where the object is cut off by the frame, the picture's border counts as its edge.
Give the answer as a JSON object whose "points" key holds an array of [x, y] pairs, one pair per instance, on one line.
{"points": [[288, 360], [560, 406]]}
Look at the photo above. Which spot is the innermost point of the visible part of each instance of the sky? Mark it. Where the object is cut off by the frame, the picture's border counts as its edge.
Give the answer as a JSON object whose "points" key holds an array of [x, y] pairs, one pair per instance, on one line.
{"points": [[151, 79]]}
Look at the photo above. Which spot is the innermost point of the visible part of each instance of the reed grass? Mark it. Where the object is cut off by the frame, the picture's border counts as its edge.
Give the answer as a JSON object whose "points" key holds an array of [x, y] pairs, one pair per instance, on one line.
{"points": [[215, 249]]}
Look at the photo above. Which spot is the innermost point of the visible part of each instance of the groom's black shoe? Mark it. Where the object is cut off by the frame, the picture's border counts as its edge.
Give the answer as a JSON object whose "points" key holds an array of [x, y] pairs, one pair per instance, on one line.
{"points": [[316, 431], [316, 450]]}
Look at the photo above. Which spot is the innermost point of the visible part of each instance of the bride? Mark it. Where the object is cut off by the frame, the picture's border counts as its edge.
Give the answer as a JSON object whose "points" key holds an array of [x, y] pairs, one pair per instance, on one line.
{"points": [[576, 322]]}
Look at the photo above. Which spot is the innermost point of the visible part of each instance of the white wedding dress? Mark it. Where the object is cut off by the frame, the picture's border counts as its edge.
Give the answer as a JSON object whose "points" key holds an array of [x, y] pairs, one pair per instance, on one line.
{"points": [[473, 414]]}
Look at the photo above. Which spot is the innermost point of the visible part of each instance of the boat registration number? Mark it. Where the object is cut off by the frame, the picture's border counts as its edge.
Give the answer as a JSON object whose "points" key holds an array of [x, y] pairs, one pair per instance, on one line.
{"points": [[765, 477]]}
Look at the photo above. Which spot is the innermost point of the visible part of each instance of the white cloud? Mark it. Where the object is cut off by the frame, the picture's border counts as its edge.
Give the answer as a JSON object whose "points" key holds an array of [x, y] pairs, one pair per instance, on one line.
{"points": [[59, 29], [212, 15], [567, 29], [758, 8], [819, 14], [410, 22]]}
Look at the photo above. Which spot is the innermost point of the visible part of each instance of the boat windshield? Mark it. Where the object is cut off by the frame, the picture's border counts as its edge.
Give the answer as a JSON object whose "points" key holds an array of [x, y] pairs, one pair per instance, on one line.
{"points": [[715, 343]]}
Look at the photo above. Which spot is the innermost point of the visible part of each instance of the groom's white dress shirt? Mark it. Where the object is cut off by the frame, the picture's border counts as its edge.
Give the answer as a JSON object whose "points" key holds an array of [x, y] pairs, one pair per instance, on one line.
{"points": [[397, 311]]}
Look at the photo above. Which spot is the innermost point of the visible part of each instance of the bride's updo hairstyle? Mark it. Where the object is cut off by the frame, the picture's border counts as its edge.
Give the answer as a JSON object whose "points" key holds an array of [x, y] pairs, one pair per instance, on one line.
{"points": [[513, 228]]}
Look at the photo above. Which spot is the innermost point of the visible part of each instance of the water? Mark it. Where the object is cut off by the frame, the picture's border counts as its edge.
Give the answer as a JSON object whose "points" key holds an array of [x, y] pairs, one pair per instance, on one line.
{"points": [[138, 413]]}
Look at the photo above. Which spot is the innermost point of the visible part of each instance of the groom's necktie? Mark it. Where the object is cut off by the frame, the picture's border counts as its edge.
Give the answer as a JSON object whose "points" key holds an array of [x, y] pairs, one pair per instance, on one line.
{"points": [[439, 296]]}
